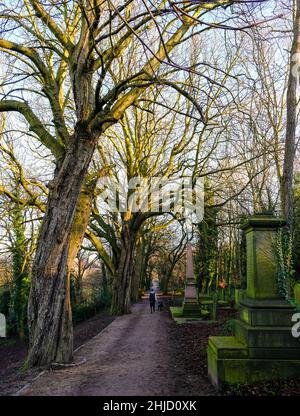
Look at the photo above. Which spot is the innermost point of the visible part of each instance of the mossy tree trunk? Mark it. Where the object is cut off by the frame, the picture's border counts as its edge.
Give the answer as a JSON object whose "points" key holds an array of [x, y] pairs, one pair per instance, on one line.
{"points": [[21, 275], [167, 277], [122, 283], [138, 270], [206, 249], [49, 310]]}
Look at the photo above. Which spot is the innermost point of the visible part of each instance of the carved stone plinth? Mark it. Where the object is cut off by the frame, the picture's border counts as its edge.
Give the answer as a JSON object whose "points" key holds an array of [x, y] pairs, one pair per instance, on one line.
{"points": [[263, 347]]}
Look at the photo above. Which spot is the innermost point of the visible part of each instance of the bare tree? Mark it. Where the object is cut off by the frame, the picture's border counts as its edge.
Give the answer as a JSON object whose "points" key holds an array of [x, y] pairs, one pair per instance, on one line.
{"points": [[67, 54], [291, 122]]}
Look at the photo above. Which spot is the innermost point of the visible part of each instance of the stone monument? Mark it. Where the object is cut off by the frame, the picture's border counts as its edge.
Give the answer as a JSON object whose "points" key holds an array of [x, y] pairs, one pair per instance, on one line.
{"points": [[190, 306], [263, 347], [190, 309]]}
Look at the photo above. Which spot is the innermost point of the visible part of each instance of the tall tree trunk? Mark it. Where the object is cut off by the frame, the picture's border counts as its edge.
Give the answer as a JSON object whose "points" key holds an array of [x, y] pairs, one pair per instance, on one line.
{"points": [[167, 278], [49, 310], [79, 226], [121, 299], [80, 222], [292, 105], [137, 271], [20, 271]]}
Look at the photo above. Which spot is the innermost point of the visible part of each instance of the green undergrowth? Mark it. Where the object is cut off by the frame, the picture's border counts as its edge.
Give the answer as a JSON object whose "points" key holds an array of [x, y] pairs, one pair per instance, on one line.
{"points": [[88, 308]]}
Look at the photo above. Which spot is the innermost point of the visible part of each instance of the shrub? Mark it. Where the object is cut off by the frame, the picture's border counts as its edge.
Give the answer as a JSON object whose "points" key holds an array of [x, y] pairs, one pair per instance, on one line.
{"points": [[228, 328], [84, 310], [141, 293]]}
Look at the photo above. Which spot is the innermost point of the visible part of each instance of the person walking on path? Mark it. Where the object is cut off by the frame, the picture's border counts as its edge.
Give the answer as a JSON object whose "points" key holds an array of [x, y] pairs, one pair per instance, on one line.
{"points": [[152, 300]]}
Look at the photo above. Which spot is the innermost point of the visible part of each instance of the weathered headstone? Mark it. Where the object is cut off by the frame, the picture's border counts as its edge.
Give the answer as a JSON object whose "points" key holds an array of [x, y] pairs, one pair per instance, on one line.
{"points": [[2, 326], [297, 296], [263, 347]]}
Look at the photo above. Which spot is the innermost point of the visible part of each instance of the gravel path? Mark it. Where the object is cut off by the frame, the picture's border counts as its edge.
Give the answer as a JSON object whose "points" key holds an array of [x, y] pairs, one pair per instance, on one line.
{"points": [[134, 356]]}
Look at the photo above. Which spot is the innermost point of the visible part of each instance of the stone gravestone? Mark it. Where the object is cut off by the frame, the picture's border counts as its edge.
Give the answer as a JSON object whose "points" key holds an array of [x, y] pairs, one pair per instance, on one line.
{"points": [[263, 347], [2, 326], [297, 296]]}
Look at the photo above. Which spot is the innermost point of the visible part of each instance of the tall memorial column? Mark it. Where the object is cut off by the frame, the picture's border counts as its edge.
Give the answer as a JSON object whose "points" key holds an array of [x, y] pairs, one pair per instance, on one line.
{"points": [[190, 305], [190, 309], [263, 347]]}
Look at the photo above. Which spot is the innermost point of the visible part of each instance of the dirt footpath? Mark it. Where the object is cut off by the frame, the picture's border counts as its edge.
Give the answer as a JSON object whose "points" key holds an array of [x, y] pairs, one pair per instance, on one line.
{"points": [[136, 355], [13, 353]]}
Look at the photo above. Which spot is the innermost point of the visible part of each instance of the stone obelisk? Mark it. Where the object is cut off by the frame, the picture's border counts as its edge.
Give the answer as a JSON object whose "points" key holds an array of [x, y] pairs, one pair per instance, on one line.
{"points": [[190, 307]]}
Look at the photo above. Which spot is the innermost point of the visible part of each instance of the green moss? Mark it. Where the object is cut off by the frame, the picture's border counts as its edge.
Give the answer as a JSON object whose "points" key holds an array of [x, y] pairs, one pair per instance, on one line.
{"points": [[180, 317], [176, 311], [297, 295]]}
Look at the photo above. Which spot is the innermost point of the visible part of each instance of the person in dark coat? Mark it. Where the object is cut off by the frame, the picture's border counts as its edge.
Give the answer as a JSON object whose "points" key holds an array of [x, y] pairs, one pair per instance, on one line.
{"points": [[152, 300]]}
